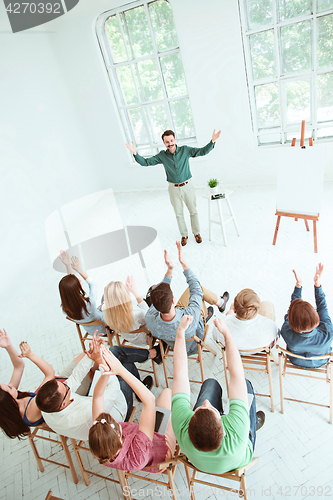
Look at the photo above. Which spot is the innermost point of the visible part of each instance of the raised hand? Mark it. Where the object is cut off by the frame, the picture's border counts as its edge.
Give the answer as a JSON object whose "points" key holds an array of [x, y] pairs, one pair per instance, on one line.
{"points": [[131, 285], [131, 147], [64, 257], [298, 279], [76, 264], [185, 322], [4, 339], [95, 349], [216, 135], [168, 261], [317, 276], [221, 326], [181, 256], [113, 363], [25, 350]]}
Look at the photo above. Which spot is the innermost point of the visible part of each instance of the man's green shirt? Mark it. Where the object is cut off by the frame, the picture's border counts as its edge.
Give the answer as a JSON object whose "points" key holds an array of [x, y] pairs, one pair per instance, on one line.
{"points": [[176, 165], [236, 448]]}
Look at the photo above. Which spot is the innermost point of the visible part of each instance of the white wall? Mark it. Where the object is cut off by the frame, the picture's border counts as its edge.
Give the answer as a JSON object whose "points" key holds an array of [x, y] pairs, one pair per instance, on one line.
{"points": [[60, 136]]}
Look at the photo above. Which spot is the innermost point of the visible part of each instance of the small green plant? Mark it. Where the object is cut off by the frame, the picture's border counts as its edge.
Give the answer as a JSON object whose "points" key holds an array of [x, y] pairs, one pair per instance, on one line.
{"points": [[212, 183]]}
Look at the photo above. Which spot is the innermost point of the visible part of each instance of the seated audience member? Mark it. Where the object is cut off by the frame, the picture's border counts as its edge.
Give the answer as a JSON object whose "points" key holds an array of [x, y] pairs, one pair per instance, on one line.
{"points": [[212, 441], [163, 316], [67, 408], [74, 301], [120, 314], [251, 322], [18, 410], [129, 446], [306, 331]]}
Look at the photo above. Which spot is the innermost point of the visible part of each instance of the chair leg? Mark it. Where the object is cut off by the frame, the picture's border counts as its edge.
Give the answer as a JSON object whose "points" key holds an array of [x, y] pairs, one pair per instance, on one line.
{"points": [[63, 440], [225, 370], [201, 363], [268, 361], [331, 392], [172, 484], [242, 489], [281, 381], [164, 365], [80, 462], [80, 337], [125, 488], [189, 482], [35, 451], [152, 362]]}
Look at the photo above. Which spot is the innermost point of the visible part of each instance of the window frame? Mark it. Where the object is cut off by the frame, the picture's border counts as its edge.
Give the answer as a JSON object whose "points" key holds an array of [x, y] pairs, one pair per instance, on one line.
{"points": [[144, 105], [313, 125]]}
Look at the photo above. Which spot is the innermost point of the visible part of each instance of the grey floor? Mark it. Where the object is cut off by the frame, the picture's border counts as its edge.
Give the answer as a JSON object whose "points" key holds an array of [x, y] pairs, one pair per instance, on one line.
{"points": [[295, 449]]}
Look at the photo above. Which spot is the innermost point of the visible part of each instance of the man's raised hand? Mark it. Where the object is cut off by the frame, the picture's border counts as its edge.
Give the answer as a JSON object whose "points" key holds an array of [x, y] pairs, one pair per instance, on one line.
{"points": [[168, 262], [216, 135], [185, 322], [131, 147], [181, 256], [317, 276]]}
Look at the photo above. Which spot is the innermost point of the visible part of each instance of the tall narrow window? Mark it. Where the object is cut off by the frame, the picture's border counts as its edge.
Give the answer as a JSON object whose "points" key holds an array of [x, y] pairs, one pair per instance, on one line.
{"points": [[141, 51], [289, 58]]}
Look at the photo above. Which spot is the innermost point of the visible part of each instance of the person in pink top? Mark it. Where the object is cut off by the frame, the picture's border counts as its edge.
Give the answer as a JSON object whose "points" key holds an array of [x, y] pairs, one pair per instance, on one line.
{"points": [[128, 445]]}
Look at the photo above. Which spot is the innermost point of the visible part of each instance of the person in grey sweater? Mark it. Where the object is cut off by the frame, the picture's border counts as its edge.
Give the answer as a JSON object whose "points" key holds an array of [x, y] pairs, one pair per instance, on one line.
{"points": [[163, 316]]}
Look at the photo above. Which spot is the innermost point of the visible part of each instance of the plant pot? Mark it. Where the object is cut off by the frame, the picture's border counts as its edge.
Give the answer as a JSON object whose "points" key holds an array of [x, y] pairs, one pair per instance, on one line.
{"points": [[213, 190]]}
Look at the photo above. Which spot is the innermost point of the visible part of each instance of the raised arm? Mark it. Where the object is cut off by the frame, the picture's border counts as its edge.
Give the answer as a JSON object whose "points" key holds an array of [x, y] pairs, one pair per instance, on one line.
{"points": [[321, 304], [147, 418], [132, 288], [43, 365], [180, 364], [195, 152], [65, 259], [237, 384], [18, 363], [77, 267], [144, 162]]}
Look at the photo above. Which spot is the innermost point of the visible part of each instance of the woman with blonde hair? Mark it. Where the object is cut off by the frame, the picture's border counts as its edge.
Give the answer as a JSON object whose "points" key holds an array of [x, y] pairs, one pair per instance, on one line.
{"points": [[119, 313]]}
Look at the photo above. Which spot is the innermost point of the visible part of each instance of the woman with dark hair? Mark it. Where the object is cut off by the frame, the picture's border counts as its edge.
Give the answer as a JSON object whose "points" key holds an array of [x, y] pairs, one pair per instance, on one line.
{"points": [[308, 332], [74, 301], [18, 410]]}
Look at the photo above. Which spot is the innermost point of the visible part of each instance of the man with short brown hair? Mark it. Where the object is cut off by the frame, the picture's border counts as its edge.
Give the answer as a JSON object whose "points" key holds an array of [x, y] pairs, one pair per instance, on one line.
{"points": [[175, 160], [214, 442], [164, 314]]}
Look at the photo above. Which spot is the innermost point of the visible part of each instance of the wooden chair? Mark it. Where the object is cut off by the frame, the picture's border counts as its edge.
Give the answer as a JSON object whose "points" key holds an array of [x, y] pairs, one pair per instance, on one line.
{"points": [[79, 446], [170, 467], [202, 347], [125, 342], [254, 360], [35, 433], [49, 496], [87, 336], [237, 475], [326, 372]]}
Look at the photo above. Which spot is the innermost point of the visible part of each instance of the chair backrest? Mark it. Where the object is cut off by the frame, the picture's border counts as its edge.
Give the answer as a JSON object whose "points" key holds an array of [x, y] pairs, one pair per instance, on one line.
{"points": [[293, 355]]}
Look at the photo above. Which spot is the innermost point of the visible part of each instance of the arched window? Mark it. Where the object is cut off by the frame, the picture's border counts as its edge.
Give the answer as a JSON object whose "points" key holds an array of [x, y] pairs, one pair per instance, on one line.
{"points": [[289, 61], [141, 52]]}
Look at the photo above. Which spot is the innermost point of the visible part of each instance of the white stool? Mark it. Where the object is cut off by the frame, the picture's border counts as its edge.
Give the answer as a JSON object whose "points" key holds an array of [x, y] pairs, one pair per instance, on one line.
{"points": [[221, 222]]}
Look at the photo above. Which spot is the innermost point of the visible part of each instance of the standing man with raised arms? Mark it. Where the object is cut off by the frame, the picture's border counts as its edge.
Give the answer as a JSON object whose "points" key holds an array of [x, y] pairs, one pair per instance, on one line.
{"points": [[175, 160]]}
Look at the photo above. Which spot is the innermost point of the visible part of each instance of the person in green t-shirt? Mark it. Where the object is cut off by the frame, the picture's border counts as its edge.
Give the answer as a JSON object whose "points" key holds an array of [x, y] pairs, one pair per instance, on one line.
{"points": [[214, 442], [175, 160]]}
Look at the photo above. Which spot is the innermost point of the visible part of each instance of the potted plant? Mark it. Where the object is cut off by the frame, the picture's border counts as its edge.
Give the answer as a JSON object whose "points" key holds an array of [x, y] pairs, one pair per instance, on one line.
{"points": [[213, 183]]}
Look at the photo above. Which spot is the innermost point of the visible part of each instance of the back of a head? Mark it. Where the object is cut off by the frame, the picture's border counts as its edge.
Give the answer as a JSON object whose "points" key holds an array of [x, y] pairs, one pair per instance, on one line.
{"points": [[104, 438], [302, 316], [72, 296], [246, 304], [48, 398], [205, 430], [118, 307], [161, 297], [11, 421]]}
